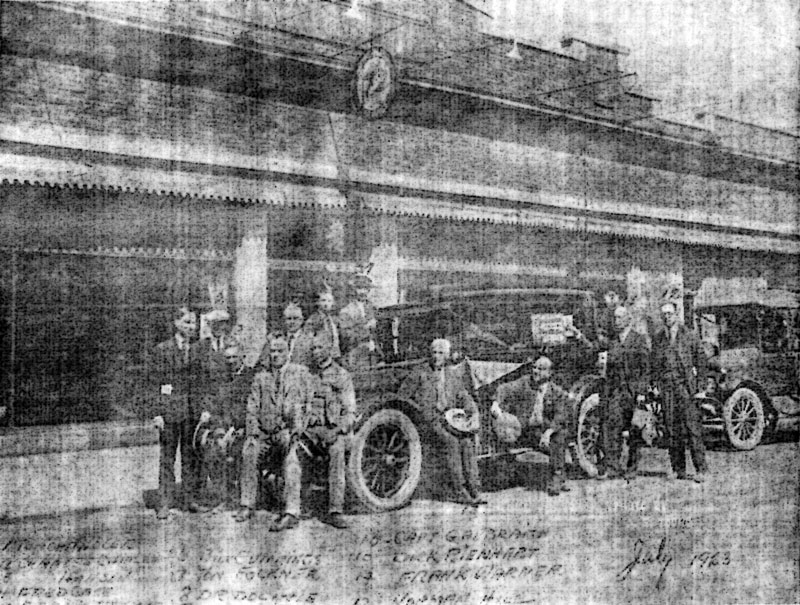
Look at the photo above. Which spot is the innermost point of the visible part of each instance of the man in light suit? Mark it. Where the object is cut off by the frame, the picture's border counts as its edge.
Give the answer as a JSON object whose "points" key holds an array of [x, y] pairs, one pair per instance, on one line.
{"points": [[274, 421], [541, 406], [679, 368], [330, 417], [437, 388]]}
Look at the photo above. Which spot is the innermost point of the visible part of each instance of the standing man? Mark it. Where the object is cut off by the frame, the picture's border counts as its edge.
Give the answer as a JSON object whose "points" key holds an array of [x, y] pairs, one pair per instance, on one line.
{"points": [[222, 442], [627, 376], [323, 322], [437, 389], [172, 375], [357, 322], [679, 370], [274, 421], [299, 341], [541, 407], [331, 416]]}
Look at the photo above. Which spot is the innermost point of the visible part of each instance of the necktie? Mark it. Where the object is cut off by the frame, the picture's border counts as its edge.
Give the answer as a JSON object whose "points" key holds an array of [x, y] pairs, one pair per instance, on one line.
{"points": [[440, 391], [537, 416], [334, 336]]}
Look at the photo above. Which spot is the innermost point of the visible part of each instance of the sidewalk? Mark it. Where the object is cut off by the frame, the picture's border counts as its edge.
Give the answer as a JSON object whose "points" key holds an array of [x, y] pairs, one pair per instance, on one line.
{"points": [[55, 469]]}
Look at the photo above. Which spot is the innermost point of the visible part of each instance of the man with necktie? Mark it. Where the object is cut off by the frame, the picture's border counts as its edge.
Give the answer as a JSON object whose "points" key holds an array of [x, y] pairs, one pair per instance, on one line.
{"points": [[541, 407], [437, 388], [679, 370], [299, 341], [626, 382], [172, 370], [325, 323], [274, 421], [357, 323]]}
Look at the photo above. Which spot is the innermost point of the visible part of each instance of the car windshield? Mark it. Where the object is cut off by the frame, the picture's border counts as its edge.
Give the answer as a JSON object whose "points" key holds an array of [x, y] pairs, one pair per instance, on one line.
{"points": [[492, 326]]}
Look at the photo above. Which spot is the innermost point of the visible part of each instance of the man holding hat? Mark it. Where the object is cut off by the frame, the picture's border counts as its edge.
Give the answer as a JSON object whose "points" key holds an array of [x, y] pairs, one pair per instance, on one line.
{"points": [[540, 406], [438, 389]]}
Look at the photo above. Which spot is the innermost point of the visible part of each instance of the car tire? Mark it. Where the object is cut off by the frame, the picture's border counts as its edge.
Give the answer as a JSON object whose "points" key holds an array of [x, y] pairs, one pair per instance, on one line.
{"points": [[385, 461], [745, 421], [587, 434]]}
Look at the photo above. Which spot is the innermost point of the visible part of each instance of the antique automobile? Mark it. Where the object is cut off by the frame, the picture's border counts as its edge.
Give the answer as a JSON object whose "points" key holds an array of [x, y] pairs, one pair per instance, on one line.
{"points": [[754, 386], [494, 334]]}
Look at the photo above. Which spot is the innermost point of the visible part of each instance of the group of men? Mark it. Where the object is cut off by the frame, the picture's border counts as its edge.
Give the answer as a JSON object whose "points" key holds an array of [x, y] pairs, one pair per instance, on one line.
{"points": [[672, 366], [226, 418], [534, 412], [300, 400]]}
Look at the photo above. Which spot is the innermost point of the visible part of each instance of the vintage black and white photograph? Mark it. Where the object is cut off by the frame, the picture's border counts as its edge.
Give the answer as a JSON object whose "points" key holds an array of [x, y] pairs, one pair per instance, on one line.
{"points": [[399, 302]]}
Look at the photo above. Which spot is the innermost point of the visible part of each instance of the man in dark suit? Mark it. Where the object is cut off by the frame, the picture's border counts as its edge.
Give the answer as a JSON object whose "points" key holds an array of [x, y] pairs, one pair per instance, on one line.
{"points": [[299, 341], [541, 406], [438, 388], [172, 372], [627, 376], [325, 323], [679, 368], [274, 422], [357, 322], [330, 417]]}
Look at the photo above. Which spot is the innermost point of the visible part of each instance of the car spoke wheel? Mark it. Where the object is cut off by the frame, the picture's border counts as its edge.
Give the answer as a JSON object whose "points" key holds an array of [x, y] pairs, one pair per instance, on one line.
{"points": [[744, 418], [385, 460], [588, 437]]}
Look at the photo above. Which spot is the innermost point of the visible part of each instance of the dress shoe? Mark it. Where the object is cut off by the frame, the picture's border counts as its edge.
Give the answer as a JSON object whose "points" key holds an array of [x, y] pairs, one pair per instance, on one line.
{"points": [[336, 520], [673, 476], [243, 514], [194, 507], [699, 478], [476, 497], [286, 521], [464, 497], [162, 514], [631, 474]]}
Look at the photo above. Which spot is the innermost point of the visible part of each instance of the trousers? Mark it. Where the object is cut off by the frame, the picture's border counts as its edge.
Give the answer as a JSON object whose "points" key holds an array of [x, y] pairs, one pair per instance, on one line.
{"points": [[335, 444], [617, 413], [684, 427], [530, 437], [179, 434], [460, 458], [251, 454]]}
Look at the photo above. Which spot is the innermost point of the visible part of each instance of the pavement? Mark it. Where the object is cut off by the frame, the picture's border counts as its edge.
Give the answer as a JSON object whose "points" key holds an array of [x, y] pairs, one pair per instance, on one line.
{"points": [[735, 538]]}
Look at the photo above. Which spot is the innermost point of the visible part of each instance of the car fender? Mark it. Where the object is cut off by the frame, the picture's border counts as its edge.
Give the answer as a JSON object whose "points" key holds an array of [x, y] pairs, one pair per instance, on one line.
{"points": [[390, 400]]}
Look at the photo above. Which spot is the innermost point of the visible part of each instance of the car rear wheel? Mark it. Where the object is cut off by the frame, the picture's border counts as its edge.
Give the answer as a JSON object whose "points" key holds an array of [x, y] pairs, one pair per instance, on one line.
{"points": [[385, 460], [588, 435], [744, 418]]}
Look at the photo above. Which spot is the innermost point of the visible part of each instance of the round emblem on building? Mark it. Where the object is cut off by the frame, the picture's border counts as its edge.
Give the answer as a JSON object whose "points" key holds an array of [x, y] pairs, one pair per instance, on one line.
{"points": [[374, 83]]}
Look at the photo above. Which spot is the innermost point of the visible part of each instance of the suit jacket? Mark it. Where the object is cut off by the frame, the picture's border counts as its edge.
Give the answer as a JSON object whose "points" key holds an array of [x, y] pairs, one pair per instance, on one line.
{"points": [[353, 321], [628, 366], [422, 386], [272, 407], [299, 348], [518, 398], [232, 400], [333, 403], [328, 326], [679, 364], [170, 380]]}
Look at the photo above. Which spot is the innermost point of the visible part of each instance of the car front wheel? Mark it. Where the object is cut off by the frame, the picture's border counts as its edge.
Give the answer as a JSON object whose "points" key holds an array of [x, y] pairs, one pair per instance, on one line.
{"points": [[588, 435], [385, 460], [744, 418]]}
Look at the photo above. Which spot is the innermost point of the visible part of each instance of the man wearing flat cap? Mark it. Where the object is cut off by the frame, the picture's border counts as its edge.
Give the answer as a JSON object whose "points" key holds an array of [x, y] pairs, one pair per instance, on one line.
{"points": [[541, 407], [438, 388]]}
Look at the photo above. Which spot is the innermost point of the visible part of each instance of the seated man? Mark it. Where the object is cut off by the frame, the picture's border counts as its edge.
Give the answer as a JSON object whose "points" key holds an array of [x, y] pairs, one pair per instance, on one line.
{"points": [[330, 419], [222, 439], [541, 406], [274, 421], [437, 389]]}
